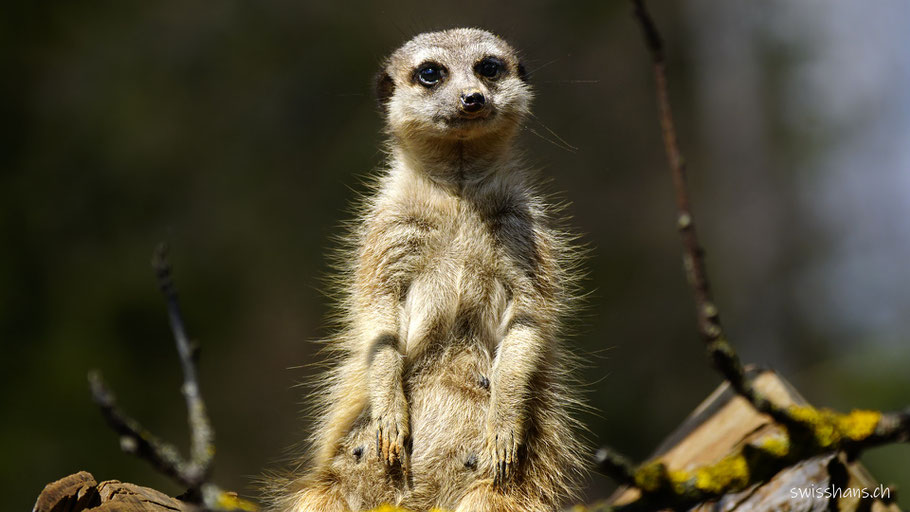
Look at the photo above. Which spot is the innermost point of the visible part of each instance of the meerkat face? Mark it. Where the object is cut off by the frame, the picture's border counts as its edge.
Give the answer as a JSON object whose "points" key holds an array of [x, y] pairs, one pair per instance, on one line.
{"points": [[454, 84]]}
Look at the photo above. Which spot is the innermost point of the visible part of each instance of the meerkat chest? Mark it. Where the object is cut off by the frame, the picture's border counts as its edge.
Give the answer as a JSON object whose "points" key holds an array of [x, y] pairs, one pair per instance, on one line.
{"points": [[470, 254], [462, 288]]}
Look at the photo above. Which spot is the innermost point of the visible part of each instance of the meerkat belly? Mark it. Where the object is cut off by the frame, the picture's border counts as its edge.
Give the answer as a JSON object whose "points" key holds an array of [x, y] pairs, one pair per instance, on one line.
{"points": [[448, 403], [458, 316], [447, 387]]}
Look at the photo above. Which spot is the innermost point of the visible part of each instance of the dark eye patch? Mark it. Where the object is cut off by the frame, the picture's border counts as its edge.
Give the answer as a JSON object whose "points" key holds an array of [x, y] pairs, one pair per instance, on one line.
{"points": [[429, 74], [490, 67]]}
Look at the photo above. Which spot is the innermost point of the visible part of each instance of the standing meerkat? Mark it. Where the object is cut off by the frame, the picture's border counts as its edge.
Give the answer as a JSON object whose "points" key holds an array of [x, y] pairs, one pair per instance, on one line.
{"points": [[450, 387]]}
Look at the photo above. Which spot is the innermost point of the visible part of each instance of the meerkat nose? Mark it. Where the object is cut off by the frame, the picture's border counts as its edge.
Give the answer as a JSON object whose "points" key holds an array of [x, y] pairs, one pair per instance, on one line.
{"points": [[472, 101]]}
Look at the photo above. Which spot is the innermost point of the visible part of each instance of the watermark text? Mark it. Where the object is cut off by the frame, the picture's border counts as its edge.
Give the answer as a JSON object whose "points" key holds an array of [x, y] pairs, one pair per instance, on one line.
{"points": [[834, 492]]}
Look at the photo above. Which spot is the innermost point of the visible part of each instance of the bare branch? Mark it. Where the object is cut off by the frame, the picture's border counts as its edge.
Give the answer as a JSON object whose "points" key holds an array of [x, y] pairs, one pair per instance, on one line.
{"points": [[808, 432], [134, 438], [721, 353], [202, 436]]}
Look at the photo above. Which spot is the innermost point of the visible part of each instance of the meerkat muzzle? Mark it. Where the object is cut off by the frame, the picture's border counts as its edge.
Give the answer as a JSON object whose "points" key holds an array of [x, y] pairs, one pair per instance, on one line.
{"points": [[472, 102]]}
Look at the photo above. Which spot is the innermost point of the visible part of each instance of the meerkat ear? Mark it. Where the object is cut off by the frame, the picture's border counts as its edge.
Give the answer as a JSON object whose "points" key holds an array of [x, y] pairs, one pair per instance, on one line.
{"points": [[522, 72], [384, 87]]}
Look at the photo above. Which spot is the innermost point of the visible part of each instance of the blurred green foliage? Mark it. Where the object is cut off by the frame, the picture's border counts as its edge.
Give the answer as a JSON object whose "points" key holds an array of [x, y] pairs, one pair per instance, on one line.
{"points": [[235, 131]]}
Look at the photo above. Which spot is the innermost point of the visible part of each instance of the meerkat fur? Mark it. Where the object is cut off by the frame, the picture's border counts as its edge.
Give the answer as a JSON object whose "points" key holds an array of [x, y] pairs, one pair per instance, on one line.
{"points": [[449, 385]]}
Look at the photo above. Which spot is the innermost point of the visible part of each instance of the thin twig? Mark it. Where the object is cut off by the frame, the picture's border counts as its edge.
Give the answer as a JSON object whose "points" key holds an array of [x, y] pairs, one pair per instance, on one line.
{"points": [[193, 473], [893, 427], [134, 438], [721, 353], [202, 437]]}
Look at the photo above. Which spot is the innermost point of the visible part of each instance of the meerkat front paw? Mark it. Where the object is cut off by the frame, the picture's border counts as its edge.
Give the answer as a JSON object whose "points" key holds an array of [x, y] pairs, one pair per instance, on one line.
{"points": [[503, 438], [391, 424]]}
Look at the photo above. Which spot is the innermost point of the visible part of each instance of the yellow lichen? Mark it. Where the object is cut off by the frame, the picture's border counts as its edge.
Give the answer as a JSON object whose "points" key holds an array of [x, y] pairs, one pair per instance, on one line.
{"points": [[830, 428], [650, 476], [678, 480], [778, 446], [859, 424], [230, 501], [730, 472]]}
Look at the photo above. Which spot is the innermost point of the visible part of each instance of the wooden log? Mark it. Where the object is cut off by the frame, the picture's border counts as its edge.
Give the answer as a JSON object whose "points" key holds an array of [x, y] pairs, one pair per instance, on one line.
{"points": [[725, 422], [79, 492]]}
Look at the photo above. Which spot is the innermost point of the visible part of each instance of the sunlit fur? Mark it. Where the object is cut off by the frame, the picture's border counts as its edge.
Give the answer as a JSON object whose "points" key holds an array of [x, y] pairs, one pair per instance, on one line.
{"points": [[449, 386]]}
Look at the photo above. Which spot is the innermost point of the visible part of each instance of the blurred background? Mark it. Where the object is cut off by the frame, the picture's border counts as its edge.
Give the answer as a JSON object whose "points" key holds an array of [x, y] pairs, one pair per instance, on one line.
{"points": [[239, 132]]}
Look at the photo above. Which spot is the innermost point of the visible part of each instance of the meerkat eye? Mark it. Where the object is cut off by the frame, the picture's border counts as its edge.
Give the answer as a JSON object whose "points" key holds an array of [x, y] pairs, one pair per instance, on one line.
{"points": [[489, 67], [429, 74]]}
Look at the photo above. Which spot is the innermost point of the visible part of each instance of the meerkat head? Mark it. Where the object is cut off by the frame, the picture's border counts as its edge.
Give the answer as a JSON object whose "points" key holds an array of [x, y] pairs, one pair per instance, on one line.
{"points": [[457, 84]]}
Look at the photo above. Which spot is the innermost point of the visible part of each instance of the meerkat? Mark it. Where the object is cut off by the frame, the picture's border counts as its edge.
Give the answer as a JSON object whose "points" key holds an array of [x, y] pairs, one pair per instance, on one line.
{"points": [[450, 387]]}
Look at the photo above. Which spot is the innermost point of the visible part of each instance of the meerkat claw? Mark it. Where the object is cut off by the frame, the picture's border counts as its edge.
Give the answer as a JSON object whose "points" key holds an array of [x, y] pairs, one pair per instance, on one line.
{"points": [[390, 440], [503, 452]]}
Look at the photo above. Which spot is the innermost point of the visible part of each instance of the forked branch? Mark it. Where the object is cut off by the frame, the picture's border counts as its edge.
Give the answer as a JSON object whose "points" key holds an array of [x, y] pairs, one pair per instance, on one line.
{"points": [[194, 472]]}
